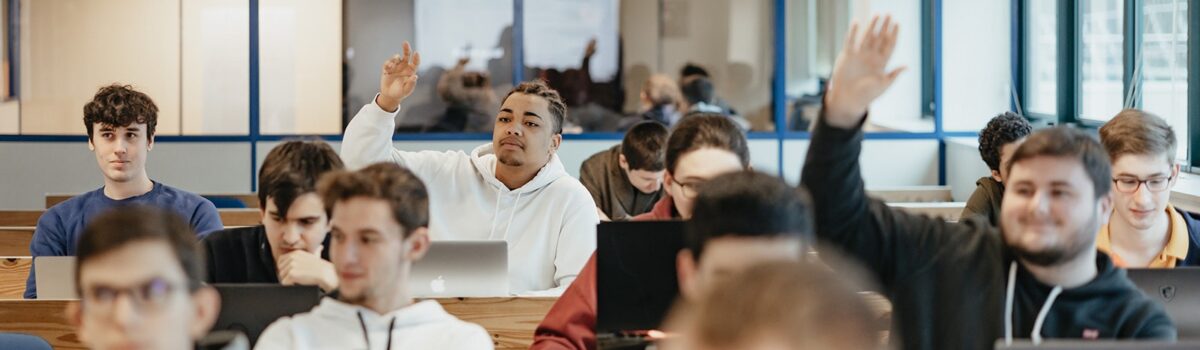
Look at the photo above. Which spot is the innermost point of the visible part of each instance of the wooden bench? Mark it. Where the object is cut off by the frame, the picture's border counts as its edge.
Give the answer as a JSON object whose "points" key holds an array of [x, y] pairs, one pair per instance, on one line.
{"points": [[13, 273], [510, 320], [906, 194], [14, 240], [948, 211], [229, 217], [249, 199]]}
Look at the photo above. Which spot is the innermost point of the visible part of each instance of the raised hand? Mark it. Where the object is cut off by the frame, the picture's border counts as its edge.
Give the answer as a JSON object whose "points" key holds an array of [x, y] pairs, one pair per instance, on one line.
{"points": [[399, 79], [859, 75]]}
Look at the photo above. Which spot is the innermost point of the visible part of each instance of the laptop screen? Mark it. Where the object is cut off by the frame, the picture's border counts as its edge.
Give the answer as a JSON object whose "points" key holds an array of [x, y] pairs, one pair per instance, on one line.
{"points": [[636, 282]]}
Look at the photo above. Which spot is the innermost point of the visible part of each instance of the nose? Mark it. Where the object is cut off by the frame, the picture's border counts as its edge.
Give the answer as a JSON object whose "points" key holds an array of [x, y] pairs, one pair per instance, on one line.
{"points": [[343, 252], [1039, 204], [514, 129], [292, 234], [124, 312], [1142, 195], [122, 146]]}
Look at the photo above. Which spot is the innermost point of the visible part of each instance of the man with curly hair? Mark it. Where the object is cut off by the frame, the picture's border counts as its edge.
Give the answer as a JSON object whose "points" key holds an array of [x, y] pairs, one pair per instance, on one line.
{"points": [[120, 125], [997, 142]]}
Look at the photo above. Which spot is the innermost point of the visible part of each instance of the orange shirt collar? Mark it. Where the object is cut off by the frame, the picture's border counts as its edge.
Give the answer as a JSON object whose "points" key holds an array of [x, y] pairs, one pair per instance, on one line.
{"points": [[1175, 250]]}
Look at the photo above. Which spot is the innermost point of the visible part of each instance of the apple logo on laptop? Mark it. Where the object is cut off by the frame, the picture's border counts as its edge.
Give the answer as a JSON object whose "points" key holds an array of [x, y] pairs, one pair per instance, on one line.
{"points": [[438, 285]]}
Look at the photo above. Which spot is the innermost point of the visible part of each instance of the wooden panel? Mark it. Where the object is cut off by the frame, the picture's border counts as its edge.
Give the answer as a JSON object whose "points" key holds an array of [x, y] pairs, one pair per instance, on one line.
{"points": [[250, 199], [13, 273], [912, 194], [511, 321], [14, 241], [230, 217], [948, 211]]}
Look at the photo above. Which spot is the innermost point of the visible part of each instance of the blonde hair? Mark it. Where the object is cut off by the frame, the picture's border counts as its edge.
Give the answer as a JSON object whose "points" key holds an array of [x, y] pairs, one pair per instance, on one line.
{"points": [[662, 90]]}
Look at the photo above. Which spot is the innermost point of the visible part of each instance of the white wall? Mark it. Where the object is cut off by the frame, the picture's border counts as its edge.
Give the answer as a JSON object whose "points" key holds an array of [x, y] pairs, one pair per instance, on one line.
{"points": [[885, 163], [963, 167]]}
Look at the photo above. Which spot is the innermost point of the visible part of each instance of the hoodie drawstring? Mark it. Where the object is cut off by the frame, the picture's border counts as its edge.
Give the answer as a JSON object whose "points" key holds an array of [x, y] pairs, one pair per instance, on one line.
{"points": [[1008, 303], [1037, 325], [1008, 308], [367, 339]]}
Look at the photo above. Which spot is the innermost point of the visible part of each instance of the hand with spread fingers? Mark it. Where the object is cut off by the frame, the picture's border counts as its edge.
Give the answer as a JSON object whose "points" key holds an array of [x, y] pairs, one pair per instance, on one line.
{"points": [[308, 269], [860, 75], [399, 78]]}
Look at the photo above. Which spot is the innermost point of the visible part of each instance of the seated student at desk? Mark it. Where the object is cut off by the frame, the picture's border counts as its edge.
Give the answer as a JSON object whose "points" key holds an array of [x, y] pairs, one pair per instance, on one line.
{"points": [[380, 216], [120, 127], [290, 246], [777, 305], [1145, 230], [997, 142], [626, 180], [964, 285], [740, 219], [138, 271]]}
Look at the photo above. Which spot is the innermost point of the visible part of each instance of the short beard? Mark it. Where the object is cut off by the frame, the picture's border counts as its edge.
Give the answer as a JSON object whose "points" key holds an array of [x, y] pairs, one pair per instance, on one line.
{"points": [[1058, 255], [510, 161]]}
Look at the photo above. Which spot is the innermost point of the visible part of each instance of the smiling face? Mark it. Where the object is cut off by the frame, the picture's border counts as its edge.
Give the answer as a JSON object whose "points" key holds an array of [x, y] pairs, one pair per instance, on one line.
{"points": [[524, 135], [1050, 213], [1142, 208], [121, 151]]}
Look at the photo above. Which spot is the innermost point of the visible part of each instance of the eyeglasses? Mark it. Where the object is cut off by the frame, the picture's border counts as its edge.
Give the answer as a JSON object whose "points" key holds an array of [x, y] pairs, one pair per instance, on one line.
{"points": [[690, 189], [1129, 184], [149, 296]]}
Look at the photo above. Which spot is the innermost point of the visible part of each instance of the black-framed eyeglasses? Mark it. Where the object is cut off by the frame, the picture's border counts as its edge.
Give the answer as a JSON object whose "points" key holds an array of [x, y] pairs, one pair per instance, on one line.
{"points": [[689, 189], [1130, 184]]}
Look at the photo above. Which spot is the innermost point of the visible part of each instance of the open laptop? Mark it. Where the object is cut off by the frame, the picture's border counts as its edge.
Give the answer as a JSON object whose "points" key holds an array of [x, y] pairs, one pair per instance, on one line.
{"points": [[636, 282], [461, 269], [1178, 291], [55, 277], [1097, 345], [250, 308]]}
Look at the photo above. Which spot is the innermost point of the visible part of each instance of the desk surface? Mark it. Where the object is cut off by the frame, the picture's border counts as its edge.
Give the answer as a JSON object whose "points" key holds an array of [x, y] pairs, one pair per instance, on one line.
{"points": [[510, 321]]}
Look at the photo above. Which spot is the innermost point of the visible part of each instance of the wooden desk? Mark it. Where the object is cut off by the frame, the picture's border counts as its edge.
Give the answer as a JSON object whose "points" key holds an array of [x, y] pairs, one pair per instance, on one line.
{"points": [[14, 240], [250, 199], [510, 321], [911, 193], [13, 272], [229, 217]]}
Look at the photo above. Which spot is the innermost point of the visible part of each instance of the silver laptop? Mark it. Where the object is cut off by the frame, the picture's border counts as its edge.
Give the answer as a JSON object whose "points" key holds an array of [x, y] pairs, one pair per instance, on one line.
{"points": [[1178, 291], [461, 269], [55, 277]]}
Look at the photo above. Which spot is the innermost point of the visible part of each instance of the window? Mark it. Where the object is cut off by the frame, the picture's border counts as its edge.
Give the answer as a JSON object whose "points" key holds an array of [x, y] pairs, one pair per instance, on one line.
{"points": [[1102, 56], [900, 108], [1164, 65], [976, 64], [300, 66], [1041, 50]]}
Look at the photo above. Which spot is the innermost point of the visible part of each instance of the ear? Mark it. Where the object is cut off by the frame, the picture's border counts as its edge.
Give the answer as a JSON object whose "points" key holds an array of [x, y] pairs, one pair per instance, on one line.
{"points": [[667, 181], [418, 243], [555, 142], [1106, 207], [622, 162], [91, 144], [150, 143], [996, 176], [685, 268], [1174, 174], [207, 304]]}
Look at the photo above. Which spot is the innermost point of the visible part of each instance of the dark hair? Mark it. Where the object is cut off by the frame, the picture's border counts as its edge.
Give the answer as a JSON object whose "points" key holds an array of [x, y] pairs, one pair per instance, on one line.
{"points": [[123, 225], [748, 204], [1138, 132], [643, 146], [698, 90], [692, 69], [390, 182], [292, 169], [1003, 129], [701, 130], [1064, 141], [120, 105], [539, 88]]}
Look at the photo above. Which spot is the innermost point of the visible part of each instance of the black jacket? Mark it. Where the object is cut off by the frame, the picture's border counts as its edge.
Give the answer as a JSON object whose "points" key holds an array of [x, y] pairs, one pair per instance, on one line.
{"points": [[947, 281], [243, 255]]}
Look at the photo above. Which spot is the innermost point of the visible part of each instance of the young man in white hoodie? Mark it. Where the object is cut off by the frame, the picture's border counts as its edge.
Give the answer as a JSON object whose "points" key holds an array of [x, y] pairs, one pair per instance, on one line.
{"points": [[513, 189], [379, 218]]}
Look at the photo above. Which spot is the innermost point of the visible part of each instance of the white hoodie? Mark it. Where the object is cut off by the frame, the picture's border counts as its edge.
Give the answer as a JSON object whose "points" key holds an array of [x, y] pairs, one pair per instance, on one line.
{"points": [[337, 325], [549, 223]]}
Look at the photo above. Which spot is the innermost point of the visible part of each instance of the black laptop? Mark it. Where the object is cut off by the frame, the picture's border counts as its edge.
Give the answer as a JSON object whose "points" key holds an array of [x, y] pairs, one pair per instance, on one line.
{"points": [[636, 282], [1178, 291], [250, 308], [1098, 345]]}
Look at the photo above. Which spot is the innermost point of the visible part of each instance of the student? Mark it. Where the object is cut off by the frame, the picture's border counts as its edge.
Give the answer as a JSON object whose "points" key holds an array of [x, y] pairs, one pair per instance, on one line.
{"points": [[1145, 229], [120, 126], [997, 142], [469, 99], [291, 244], [964, 285], [626, 180], [138, 274], [661, 102], [691, 72], [777, 305], [513, 189], [379, 217], [701, 148]]}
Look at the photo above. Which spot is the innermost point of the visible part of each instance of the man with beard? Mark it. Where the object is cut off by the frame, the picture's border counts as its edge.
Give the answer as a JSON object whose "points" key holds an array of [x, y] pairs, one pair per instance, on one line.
{"points": [[965, 285], [513, 189]]}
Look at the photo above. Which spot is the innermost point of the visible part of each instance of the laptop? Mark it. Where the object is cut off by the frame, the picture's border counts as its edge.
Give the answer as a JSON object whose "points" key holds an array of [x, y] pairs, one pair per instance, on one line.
{"points": [[250, 308], [452, 269], [1178, 291], [1097, 345], [55, 277], [636, 284]]}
